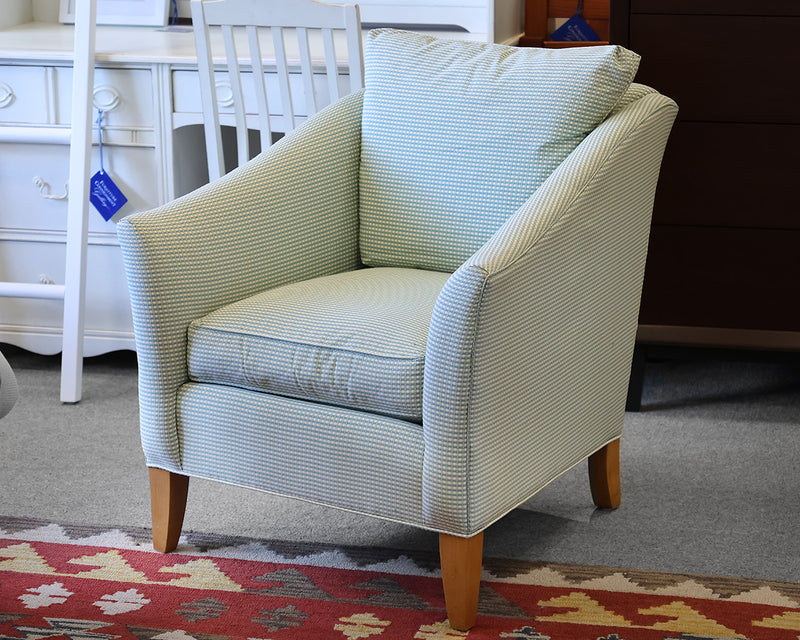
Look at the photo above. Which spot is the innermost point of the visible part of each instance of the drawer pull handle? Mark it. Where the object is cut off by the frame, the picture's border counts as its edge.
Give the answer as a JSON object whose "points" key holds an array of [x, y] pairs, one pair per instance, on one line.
{"points": [[224, 93], [105, 98], [6, 95], [44, 190]]}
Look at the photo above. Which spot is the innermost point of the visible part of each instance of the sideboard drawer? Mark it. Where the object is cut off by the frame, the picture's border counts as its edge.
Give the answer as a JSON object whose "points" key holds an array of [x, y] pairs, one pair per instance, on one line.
{"points": [[23, 205], [730, 81], [489, 20], [729, 174], [717, 7], [38, 261], [471, 15], [23, 94], [186, 92], [125, 95], [718, 277]]}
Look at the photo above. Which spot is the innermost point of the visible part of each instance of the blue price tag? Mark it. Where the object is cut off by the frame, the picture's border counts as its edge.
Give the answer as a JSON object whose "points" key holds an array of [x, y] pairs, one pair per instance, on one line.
{"points": [[105, 195], [575, 29]]}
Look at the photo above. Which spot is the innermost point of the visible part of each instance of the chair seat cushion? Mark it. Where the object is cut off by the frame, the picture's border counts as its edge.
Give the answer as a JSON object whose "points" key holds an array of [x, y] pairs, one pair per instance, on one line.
{"points": [[355, 339]]}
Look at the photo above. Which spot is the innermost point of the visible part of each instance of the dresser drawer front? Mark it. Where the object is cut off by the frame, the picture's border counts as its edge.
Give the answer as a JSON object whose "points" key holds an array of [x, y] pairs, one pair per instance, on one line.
{"points": [[718, 7], [23, 94], [125, 95], [23, 205], [29, 261], [471, 15], [186, 91], [729, 174], [718, 277], [705, 64]]}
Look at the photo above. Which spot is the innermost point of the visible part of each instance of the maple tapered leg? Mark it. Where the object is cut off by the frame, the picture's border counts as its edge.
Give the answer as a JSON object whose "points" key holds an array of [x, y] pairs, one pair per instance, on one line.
{"points": [[461, 560], [168, 493], [604, 476]]}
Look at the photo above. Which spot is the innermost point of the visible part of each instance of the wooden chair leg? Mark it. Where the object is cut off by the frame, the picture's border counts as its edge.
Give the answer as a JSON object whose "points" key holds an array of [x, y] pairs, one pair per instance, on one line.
{"points": [[604, 476], [461, 560], [168, 493]]}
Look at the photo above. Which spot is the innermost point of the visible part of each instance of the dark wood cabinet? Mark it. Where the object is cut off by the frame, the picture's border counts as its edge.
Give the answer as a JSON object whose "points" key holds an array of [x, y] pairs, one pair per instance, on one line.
{"points": [[723, 267]]}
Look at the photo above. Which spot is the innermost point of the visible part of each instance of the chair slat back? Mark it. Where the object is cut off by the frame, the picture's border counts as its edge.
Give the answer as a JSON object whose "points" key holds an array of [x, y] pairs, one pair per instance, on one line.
{"points": [[270, 46]]}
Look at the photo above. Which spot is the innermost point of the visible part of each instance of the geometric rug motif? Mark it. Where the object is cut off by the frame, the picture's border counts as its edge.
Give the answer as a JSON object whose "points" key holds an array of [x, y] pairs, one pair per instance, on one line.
{"points": [[103, 583]]}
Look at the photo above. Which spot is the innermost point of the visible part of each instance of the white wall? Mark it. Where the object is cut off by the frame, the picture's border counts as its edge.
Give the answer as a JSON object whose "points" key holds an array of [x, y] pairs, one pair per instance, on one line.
{"points": [[15, 12], [45, 10]]}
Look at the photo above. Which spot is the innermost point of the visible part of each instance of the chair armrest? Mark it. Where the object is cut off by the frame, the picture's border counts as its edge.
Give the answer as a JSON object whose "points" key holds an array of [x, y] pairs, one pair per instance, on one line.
{"points": [[529, 349], [289, 214]]}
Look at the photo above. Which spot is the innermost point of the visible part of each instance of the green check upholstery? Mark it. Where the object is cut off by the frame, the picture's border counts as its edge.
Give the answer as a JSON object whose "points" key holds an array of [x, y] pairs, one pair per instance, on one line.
{"points": [[300, 331], [456, 136], [355, 339]]}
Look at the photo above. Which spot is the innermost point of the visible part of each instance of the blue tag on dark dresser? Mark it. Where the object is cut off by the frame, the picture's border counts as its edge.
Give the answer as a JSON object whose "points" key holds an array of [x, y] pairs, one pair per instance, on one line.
{"points": [[575, 29], [105, 195]]}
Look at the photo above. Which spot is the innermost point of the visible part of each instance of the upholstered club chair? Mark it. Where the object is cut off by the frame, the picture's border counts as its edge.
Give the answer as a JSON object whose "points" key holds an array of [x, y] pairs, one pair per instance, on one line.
{"points": [[419, 306]]}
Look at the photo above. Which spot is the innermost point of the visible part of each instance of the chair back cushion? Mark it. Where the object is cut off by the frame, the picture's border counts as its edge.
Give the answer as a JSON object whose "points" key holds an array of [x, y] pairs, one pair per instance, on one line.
{"points": [[457, 135]]}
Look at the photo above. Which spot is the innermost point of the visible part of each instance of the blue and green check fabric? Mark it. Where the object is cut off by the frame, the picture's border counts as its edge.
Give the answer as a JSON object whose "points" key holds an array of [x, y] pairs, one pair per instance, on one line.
{"points": [[421, 304], [355, 339], [457, 135]]}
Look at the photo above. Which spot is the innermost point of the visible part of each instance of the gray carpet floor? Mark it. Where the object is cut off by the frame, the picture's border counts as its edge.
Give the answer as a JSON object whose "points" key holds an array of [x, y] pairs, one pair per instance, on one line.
{"points": [[711, 475]]}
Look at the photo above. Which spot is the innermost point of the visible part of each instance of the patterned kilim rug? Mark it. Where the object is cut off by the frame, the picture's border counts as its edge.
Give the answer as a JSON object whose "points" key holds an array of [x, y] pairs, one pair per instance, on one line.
{"points": [[101, 583]]}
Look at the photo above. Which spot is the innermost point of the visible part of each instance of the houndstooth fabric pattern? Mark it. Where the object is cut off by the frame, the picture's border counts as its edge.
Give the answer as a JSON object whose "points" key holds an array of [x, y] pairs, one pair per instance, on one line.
{"points": [[457, 135], [355, 339], [349, 459], [531, 339], [288, 215], [527, 354]]}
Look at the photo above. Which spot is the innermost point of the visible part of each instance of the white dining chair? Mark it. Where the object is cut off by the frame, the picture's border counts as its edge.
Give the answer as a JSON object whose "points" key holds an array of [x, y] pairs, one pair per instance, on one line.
{"points": [[279, 66]]}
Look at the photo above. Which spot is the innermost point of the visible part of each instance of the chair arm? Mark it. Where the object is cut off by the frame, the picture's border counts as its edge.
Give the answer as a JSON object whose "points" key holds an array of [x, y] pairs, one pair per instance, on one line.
{"points": [[289, 214], [530, 343]]}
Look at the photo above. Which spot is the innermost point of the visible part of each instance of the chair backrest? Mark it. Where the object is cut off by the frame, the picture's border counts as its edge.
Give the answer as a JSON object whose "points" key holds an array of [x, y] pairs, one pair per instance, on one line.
{"points": [[456, 136], [279, 37]]}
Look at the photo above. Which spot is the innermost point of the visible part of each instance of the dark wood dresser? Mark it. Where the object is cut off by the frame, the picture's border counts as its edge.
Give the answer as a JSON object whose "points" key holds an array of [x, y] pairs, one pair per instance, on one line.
{"points": [[723, 269]]}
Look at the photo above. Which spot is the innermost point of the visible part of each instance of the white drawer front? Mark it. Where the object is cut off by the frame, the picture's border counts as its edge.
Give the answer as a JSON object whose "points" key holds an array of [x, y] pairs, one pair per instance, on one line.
{"points": [[125, 95], [186, 90], [489, 20], [24, 207], [23, 95], [471, 15], [107, 301]]}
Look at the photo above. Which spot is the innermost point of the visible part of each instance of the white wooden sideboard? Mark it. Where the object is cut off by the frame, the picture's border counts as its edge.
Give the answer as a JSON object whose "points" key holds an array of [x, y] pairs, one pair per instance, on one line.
{"points": [[147, 87]]}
